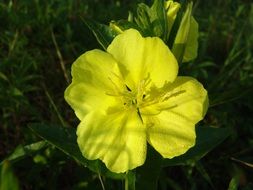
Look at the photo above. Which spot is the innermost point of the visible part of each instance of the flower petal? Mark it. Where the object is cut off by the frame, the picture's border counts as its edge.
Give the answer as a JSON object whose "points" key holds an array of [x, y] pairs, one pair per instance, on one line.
{"points": [[140, 58], [172, 131], [171, 135], [118, 139], [95, 74]]}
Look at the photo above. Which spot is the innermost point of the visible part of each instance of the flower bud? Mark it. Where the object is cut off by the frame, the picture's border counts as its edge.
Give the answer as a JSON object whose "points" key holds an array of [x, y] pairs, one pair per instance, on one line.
{"points": [[113, 25], [185, 45], [171, 10]]}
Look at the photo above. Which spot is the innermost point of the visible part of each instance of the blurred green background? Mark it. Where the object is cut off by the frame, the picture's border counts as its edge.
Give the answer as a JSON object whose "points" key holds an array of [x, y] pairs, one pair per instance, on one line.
{"points": [[39, 40]]}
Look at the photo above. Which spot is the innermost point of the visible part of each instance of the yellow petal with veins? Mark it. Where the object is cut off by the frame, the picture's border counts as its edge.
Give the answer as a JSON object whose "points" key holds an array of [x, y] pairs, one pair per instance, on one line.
{"points": [[118, 139], [172, 131], [140, 58], [95, 75]]}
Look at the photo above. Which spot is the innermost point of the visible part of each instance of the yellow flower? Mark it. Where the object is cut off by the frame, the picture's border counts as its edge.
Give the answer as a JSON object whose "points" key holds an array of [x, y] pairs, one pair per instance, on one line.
{"points": [[131, 95]]}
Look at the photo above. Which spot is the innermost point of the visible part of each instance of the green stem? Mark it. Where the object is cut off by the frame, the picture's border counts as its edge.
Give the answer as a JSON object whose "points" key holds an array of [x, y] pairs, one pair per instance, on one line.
{"points": [[101, 181], [130, 181]]}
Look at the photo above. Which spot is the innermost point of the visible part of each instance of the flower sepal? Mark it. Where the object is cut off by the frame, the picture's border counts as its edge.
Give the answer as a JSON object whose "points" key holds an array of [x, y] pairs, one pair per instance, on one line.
{"points": [[103, 33]]}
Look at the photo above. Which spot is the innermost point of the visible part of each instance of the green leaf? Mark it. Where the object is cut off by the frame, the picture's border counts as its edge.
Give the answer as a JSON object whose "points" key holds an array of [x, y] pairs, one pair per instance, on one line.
{"points": [[65, 140], [234, 183], [207, 139], [229, 95], [248, 186], [22, 151], [103, 33], [201, 169], [3, 77], [159, 19], [143, 19], [152, 21], [8, 180]]}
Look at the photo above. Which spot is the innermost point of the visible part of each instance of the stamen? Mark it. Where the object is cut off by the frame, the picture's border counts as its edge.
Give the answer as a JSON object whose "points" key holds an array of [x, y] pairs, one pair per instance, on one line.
{"points": [[139, 114], [114, 84], [128, 88], [169, 95]]}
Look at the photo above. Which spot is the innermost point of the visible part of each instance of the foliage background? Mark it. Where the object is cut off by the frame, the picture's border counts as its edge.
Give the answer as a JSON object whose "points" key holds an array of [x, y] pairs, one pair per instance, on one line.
{"points": [[39, 40]]}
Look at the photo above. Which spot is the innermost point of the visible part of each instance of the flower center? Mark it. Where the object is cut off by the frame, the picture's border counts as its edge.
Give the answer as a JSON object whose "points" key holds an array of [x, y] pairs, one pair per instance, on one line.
{"points": [[142, 96], [131, 99], [135, 97]]}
